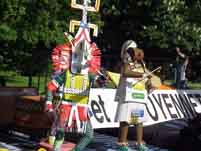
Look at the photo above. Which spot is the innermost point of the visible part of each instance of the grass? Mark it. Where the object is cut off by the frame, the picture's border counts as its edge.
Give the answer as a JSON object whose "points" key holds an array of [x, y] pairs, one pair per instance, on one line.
{"points": [[195, 85], [16, 80], [191, 85], [22, 81]]}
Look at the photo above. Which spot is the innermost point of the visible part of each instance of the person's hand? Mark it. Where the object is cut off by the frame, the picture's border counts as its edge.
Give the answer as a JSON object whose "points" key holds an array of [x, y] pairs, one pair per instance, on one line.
{"points": [[149, 76], [49, 107], [146, 75], [131, 67], [178, 50]]}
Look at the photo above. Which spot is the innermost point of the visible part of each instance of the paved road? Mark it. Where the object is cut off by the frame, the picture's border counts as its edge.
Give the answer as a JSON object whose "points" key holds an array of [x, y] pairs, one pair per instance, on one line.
{"points": [[163, 135], [101, 143]]}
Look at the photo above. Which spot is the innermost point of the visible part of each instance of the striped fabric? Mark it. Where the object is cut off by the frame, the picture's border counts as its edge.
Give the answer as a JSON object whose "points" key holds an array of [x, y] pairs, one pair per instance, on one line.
{"points": [[86, 139]]}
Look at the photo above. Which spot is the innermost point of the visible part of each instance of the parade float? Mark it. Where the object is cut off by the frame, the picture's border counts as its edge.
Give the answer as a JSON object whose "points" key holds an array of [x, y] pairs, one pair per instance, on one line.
{"points": [[164, 103], [22, 108]]}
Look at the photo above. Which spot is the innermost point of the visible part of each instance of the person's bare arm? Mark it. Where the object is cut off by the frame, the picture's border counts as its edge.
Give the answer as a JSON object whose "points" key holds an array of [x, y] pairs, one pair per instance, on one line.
{"points": [[133, 74], [180, 53], [128, 72], [186, 61]]}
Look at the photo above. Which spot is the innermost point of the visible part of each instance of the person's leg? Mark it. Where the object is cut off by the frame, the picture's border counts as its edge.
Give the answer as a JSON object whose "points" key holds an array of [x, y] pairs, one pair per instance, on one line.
{"points": [[60, 135], [60, 123], [86, 139], [122, 138], [140, 143], [184, 84], [123, 133], [139, 133], [178, 77], [53, 130]]}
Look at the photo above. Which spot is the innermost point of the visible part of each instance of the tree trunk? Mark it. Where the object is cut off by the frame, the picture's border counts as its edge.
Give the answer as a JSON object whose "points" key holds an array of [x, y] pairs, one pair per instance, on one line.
{"points": [[46, 80], [30, 81], [38, 83]]}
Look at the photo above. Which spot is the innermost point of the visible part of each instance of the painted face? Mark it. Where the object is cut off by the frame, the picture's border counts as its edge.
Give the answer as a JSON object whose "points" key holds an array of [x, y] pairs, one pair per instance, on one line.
{"points": [[61, 57], [65, 60]]}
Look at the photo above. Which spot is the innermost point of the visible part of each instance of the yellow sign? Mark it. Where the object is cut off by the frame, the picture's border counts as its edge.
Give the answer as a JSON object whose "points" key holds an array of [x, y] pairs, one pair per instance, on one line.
{"points": [[95, 8], [115, 77], [74, 23]]}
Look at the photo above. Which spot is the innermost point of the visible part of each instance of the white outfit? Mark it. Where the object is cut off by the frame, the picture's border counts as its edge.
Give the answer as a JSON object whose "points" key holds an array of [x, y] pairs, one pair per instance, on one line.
{"points": [[132, 102]]}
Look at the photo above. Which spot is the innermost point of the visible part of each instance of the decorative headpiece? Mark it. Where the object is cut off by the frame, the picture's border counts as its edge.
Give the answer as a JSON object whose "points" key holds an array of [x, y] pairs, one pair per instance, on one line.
{"points": [[85, 56], [126, 45]]}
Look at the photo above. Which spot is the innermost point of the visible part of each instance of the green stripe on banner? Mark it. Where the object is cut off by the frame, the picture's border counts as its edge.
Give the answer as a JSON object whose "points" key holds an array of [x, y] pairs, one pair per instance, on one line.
{"points": [[138, 95]]}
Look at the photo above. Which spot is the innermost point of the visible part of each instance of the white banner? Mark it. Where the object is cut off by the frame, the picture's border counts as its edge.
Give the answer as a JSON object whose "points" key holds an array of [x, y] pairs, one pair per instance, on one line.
{"points": [[162, 105]]}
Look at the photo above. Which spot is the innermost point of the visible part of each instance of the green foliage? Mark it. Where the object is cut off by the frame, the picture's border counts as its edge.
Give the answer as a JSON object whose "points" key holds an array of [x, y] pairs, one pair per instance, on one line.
{"points": [[32, 28], [171, 19], [7, 33], [155, 23]]}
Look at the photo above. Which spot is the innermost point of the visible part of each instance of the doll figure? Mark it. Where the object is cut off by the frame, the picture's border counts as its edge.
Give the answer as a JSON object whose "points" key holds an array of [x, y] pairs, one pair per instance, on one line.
{"points": [[131, 94], [74, 71]]}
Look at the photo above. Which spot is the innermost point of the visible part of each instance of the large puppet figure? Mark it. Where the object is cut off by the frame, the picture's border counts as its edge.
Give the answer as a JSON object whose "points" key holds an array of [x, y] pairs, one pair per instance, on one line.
{"points": [[131, 94], [75, 64]]}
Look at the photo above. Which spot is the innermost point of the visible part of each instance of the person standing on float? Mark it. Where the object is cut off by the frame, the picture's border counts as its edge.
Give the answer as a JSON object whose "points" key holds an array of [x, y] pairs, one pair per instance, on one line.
{"points": [[131, 95], [182, 61], [73, 87]]}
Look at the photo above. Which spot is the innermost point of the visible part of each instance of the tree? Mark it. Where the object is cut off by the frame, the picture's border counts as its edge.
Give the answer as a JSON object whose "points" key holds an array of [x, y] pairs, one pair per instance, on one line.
{"points": [[173, 25], [155, 23], [31, 28]]}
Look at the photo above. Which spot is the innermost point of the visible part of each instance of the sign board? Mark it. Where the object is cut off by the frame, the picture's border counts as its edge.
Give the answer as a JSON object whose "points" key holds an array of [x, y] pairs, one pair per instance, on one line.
{"points": [[162, 105]]}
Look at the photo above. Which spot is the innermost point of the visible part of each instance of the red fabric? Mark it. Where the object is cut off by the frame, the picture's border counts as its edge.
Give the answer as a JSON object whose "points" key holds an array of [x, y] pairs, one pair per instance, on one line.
{"points": [[49, 107], [65, 113], [79, 37], [51, 86], [95, 61]]}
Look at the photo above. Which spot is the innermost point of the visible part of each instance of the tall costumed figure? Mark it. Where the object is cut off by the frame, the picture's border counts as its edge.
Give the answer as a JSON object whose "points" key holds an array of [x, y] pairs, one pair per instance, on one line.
{"points": [[75, 65], [132, 94]]}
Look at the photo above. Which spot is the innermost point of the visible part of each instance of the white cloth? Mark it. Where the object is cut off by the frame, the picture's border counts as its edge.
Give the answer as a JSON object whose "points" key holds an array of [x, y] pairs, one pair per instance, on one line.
{"points": [[183, 72], [130, 101], [130, 110]]}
